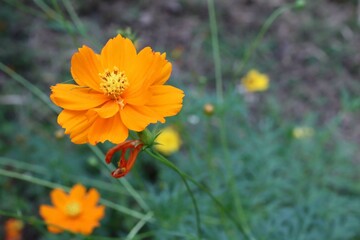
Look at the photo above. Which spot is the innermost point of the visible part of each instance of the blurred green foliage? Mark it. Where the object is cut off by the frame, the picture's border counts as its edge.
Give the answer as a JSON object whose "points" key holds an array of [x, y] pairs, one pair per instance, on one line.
{"points": [[244, 153]]}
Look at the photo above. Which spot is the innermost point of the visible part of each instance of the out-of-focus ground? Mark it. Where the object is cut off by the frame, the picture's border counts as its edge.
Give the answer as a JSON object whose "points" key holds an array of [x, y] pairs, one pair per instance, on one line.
{"points": [[311, 55]]}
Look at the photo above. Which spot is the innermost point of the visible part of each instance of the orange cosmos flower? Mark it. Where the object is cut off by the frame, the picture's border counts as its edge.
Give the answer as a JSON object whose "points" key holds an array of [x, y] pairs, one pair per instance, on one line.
{"points": [[124, 165], [76, 212], [115, 91], [13, 229]]}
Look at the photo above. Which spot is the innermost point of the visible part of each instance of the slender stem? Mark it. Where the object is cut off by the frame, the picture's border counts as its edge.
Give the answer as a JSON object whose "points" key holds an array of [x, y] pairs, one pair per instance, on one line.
{"points": [[243, 229], [45, 98], [35, 90], [166, 162], [216, 51], [123, 181], [265, 27], [75, 18], [139, 225], [52, 185]]}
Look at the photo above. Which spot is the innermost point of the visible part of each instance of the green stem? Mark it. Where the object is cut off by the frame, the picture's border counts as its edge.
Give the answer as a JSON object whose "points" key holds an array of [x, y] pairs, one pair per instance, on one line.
{"points": [[242, 228], [166, 162], [52, 185], [43, 97], [238, 205], [123, 181], [133, 232], [75, 18], [216, 51], [22, 81], [265, 27]]}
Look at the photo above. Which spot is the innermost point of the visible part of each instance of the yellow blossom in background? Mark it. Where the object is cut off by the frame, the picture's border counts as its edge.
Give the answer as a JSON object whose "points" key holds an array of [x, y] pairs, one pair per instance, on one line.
{"points": [[76, 212], [13, 229], [209, 109], [255, 81], [116, 91], [302, 132], [168, 141]]}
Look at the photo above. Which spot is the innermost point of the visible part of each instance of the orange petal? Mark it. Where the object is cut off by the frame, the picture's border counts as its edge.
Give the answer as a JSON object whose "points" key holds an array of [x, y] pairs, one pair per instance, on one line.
{"points": [[107, 110], [77, 192], [52, 217], [77, 124], [58, 198], [166, 100], [96, 213], [119, 52], [138, 118], [111, 129], [85, 68], [73, 97], [151, 68], [91, 199], [49, 213]]}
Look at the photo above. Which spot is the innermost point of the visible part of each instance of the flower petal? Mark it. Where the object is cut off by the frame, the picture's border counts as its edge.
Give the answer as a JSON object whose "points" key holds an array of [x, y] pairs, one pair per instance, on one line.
{"points": [[73, 97], [166, 100], [58, 198], [138, 118], [52, 216], [85, 68], [111, 129], [152, 69], [77, 192], [119, 52], [107, 110], [77, 124], [91, 199]]}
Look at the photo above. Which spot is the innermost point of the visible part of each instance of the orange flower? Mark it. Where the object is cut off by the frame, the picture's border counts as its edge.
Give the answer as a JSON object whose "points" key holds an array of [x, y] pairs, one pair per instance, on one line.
{"points": [[116, 91], [13, 229], [75, 212], [124, 165]]}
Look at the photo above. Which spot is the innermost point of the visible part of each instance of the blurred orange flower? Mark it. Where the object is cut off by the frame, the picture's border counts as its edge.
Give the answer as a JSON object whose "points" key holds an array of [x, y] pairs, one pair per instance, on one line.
{"points": [[76, 212], [13, 229], [116, 91]]}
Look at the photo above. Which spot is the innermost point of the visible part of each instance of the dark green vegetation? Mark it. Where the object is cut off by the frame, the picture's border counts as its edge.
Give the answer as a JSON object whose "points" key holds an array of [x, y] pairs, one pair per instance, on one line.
{"points": [[244, 153]]}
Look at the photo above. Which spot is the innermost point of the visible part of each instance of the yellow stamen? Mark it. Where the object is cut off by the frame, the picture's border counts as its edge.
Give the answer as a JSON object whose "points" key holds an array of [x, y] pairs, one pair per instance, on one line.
{"points": [[114, 83], [73, 209]]}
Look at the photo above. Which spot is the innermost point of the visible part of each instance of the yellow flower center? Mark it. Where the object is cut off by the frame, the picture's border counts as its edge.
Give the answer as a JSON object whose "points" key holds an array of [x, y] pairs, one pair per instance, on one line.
{"points": [[113, 83], [73, 209]]}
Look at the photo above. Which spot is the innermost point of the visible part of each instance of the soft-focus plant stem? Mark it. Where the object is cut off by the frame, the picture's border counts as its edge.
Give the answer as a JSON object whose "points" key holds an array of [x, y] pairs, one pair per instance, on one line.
{"points": [[165, 161], [32, 88], [52, 185], [133, 232], [265, 27], [169, 164], [216, 50], [45, 98], [123, 181]]}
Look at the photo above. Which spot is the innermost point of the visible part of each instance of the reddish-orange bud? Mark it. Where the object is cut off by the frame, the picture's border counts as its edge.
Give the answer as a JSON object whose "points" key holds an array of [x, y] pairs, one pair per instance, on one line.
{"points": [[124, 165]]}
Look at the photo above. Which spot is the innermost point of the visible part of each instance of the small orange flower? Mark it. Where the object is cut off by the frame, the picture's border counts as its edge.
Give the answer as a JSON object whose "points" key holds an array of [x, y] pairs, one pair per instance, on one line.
{"points": [[116, 91], [124, 165], [13, 229], [76, 212]]}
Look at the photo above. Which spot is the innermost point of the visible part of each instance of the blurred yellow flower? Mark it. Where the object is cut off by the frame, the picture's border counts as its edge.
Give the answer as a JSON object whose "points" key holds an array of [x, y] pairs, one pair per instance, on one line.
{"points": [[255, 81], [76, 212], [168, 141], [209, 109], [13, 229], [302, 132]]}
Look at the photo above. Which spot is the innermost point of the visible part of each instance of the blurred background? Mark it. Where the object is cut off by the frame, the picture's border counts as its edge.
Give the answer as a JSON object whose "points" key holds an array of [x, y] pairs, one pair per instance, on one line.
{"points": [[291, 185]]}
